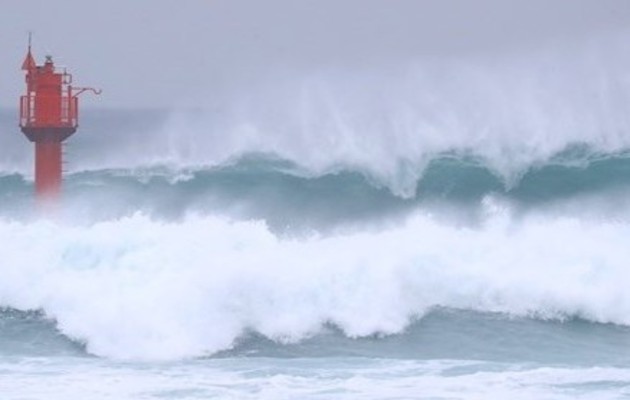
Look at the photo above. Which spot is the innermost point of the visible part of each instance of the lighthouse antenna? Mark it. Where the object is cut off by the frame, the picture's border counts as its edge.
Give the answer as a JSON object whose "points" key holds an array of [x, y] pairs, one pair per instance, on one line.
{"points": [[29, 62]]}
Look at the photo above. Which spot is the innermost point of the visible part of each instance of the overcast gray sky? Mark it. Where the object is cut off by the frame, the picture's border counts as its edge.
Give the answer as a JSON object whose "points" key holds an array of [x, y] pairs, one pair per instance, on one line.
{"points": [[147, 53]]}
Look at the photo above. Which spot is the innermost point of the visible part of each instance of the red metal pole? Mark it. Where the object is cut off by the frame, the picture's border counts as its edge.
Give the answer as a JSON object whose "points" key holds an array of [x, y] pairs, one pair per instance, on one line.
{"points": [[47, 170]]}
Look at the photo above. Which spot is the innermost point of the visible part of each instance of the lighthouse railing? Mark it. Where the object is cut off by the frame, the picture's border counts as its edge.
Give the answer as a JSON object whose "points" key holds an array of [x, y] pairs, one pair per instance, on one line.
{"points": [[27, 104], [67, 116]]}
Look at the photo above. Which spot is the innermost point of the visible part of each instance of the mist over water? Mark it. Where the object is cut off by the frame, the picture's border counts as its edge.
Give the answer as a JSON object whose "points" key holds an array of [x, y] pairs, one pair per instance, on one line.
{"points": [[511, 111]]}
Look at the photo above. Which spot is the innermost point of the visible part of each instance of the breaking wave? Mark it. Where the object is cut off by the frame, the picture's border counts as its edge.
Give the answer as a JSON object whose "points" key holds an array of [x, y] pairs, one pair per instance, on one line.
{"points": [[137, 288]]}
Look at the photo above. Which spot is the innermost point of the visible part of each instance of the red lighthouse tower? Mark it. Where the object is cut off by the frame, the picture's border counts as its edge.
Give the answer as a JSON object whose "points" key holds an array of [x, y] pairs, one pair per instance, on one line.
{"points": [[49, 114]]}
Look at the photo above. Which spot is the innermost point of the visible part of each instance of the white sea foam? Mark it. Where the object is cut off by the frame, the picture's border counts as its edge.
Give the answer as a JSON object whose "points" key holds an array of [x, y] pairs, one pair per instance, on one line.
{"points": [[142, 289], [307, 379]]}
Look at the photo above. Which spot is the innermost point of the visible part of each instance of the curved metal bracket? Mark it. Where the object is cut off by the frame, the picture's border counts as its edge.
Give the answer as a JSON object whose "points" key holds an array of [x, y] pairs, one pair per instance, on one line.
{"points": [[81, 90]]}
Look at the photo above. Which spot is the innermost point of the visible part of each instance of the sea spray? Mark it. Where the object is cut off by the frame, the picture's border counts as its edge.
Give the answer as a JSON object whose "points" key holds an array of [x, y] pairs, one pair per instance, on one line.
{"points": [[512, 112]]}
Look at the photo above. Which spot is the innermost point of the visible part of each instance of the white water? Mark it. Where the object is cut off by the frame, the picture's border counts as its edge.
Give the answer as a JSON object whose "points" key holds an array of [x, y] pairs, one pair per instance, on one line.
{"points": [[143, 290], [309, 379]]}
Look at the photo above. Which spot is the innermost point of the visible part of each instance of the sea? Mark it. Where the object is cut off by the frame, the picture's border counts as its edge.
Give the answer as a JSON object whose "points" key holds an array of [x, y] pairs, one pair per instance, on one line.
{"points": [[456, 229]]}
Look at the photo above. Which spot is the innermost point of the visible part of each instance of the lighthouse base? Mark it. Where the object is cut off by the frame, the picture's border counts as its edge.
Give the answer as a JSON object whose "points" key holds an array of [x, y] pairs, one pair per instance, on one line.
{"points": [[48, 158], [48, 169]]}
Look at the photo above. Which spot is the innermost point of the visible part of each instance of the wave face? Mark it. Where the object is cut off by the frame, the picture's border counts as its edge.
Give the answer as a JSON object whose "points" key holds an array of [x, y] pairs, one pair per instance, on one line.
{"points": [[361, 204], [289, 198]]}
